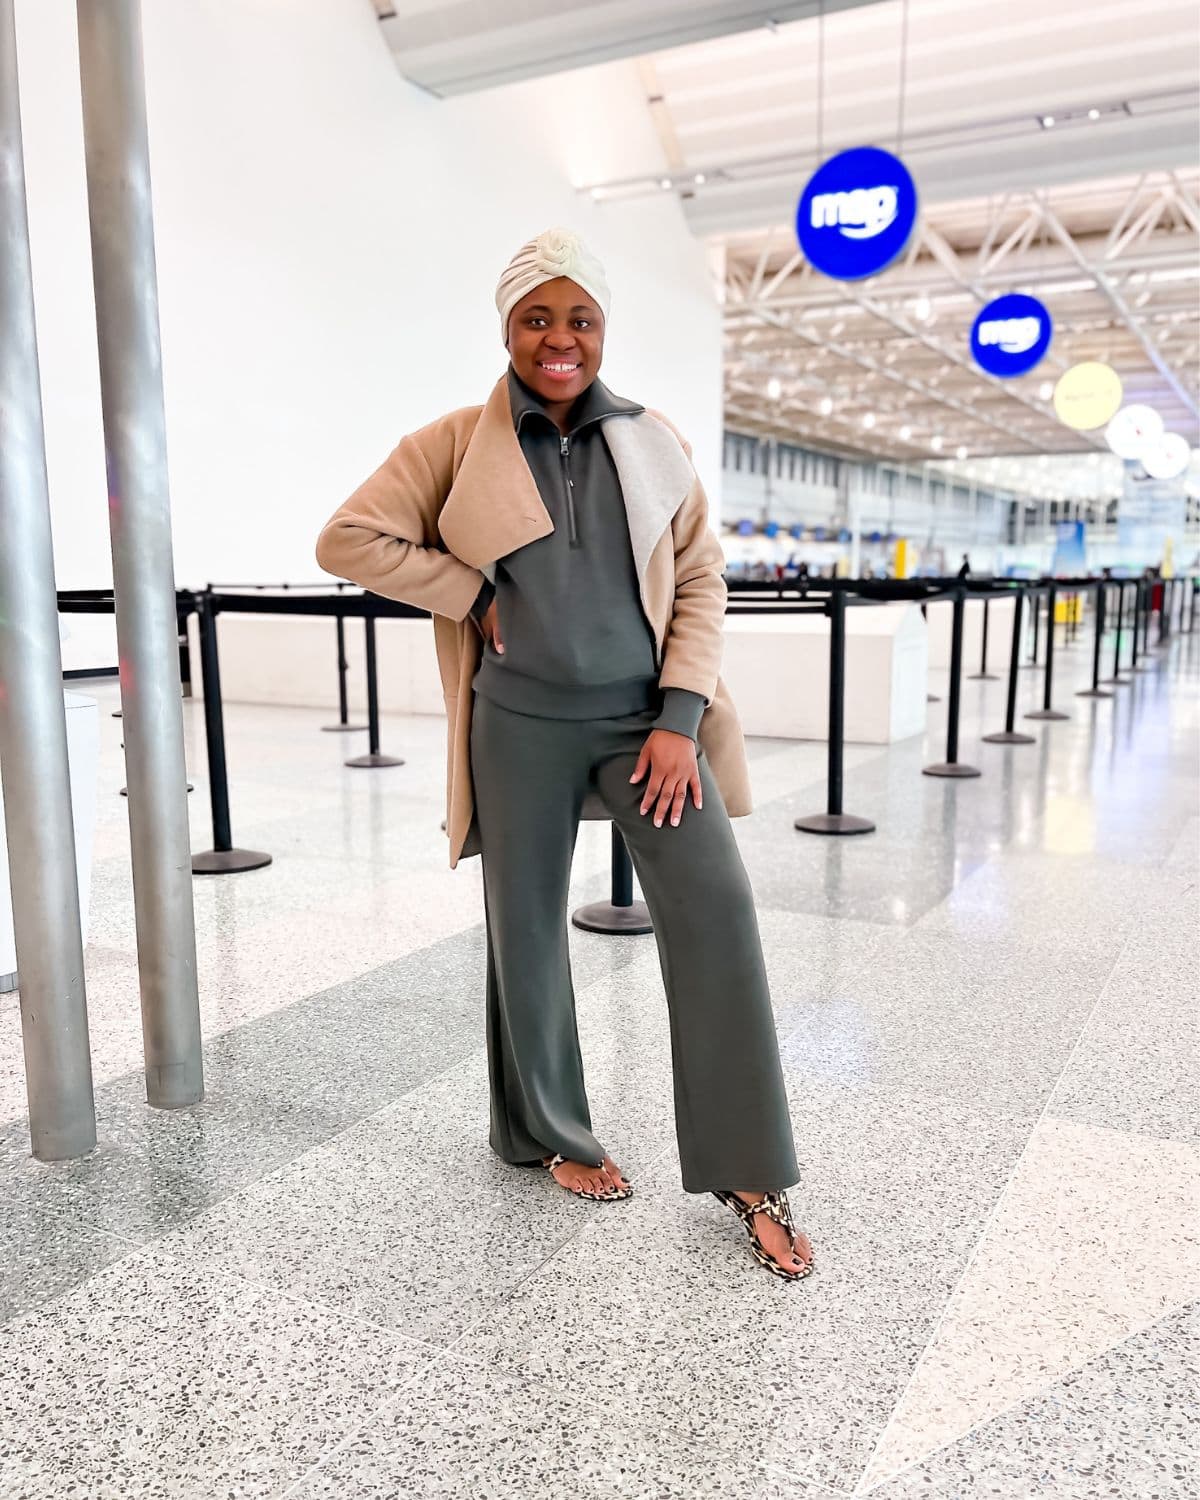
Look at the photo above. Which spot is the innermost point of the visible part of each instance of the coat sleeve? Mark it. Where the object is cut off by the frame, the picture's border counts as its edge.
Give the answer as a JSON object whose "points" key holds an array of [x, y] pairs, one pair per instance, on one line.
{"points": [[385, 536], [695, 638]]}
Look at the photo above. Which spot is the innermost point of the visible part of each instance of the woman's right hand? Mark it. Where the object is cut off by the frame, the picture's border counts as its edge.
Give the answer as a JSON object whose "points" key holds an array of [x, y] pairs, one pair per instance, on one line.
{"points": [[490, 626]]}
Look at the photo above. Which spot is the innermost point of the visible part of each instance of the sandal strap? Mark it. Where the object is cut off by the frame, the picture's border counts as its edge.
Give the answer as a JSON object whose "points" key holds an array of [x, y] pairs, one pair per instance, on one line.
{"points": [[776, 1206]]}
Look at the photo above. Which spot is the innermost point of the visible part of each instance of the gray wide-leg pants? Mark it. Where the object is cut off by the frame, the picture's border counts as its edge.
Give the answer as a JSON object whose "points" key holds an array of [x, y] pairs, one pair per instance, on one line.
{"points": [[530, 775]]}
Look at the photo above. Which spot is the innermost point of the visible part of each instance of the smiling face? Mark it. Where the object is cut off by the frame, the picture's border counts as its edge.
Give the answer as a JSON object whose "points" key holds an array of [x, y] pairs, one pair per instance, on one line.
{"points": [[556, 340]]}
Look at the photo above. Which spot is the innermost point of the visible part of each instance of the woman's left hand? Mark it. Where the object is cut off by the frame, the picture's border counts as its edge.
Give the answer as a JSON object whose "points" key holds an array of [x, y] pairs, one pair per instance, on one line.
{"points": [[671, 760]]}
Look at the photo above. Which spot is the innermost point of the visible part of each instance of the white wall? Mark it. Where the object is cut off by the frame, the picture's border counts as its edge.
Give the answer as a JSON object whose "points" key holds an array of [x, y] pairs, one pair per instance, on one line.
{"points": [[328, 241]]}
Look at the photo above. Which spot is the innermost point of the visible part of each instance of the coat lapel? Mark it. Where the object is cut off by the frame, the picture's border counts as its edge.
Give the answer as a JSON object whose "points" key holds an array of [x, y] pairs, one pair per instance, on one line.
{"points": [[655, 476], [494, 507]]}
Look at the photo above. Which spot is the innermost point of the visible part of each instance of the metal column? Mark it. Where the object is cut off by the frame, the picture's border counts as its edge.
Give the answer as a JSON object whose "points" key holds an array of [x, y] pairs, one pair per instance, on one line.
{"points": [[123, 266], [33, 725]]}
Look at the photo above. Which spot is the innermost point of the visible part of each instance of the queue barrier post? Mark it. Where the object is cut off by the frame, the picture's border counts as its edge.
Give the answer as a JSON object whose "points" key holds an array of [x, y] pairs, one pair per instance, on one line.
{"points": [[1036, 601], [622, 914], [1141, 626], [833, 820], [373, 758], [1008, 735], [1116, 677], [222, 858], [983, 675], [1046, 712], [952, 767], [1096, 691], [343, 725]]}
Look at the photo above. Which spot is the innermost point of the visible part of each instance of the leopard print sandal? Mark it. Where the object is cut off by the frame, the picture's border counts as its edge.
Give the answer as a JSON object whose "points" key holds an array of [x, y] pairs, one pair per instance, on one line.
{"points": [[775, 1206], [610, 1197]]}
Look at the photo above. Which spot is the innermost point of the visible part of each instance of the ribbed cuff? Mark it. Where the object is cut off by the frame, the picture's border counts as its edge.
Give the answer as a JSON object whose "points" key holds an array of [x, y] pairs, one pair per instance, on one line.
{"points": [[483, 599], [681, 711]]}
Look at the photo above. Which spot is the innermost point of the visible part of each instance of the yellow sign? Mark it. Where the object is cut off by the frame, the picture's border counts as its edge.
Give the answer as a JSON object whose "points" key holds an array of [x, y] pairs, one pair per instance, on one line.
{"points": [[900, 561], [1087, 396]]}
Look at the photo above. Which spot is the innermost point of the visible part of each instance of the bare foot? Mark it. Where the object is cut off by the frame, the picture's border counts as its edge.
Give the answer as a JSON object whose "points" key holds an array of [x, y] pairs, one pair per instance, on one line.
{"points": [[582, 1177], [792, 1254]]}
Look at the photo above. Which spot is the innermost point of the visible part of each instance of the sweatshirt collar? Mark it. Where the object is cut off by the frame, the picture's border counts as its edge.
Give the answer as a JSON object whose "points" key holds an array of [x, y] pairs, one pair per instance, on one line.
{"points": [[594, 403]]}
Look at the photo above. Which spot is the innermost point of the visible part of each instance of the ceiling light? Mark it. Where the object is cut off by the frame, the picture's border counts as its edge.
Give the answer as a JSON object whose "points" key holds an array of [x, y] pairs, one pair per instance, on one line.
{"points": [[960, 452], [868, 420], [922, 309], [1047, 122], [905, 433], [1093, 114], [698, 179], [774, 388], [935, 442], [1045, 390], [825, 405], [664, 182]]}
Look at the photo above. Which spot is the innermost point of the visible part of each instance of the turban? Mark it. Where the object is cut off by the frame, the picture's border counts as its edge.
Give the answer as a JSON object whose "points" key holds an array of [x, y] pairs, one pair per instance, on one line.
{"points": [[555, 252]]}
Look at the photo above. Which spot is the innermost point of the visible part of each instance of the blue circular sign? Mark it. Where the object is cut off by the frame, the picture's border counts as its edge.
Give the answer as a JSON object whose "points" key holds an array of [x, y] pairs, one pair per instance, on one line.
{"points": [[1010, 335], [857, 213]]}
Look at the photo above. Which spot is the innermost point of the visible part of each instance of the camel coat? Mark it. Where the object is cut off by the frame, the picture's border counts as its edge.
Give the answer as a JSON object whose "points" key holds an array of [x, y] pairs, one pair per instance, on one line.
{"points": [[456, 495]]}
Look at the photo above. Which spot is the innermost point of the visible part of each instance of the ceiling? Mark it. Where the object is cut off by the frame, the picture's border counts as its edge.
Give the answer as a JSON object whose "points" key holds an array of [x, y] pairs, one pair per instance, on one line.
{"points": [[1097, 214]]}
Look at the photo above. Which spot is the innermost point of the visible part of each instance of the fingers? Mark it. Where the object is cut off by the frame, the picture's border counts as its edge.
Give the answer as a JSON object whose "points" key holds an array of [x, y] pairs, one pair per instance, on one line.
{"points": [[643, 763]]}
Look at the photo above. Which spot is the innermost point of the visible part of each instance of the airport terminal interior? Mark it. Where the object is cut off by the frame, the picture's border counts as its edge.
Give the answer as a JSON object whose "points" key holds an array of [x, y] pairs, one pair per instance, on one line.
{"points": [[916, 283]]}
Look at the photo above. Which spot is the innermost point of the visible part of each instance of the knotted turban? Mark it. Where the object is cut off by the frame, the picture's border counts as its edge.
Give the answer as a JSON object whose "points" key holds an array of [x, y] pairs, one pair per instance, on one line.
{"points": [[555, 252]]}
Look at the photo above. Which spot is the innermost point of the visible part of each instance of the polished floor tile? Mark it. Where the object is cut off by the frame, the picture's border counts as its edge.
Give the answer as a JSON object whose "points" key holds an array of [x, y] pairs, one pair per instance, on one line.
{"points": [[323, 1281], [159, 1378]]}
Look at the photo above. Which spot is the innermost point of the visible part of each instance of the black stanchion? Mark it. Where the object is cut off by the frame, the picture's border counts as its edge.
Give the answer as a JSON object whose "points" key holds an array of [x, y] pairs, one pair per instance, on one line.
{"points": [[833, 819], [1141, 625], [1192, 606], [1046, 712], [1116, 677], [1096, 691], [952, 766], [222, 858], [372, 758], [343, 725], [1009, 735], [983, 675], [622, 914], [1035, 600]]}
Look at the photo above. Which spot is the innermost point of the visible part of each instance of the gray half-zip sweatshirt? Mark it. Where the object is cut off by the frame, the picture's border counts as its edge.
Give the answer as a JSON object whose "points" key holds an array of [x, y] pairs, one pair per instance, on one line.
{"points": [[577, 643]]}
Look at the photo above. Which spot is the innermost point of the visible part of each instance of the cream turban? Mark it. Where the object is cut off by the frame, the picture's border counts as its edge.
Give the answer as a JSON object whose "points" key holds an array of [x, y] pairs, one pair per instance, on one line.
{"points": [[555, 252]]}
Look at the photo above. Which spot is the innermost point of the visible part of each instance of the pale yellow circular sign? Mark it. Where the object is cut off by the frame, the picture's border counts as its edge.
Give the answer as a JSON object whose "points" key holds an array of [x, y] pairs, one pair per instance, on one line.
{"points": [[1087, 395]]}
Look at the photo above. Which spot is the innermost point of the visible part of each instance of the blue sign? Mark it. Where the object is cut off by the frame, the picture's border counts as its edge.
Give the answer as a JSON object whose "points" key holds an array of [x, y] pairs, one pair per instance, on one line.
{"points": [[1010, 335], [770, 528], [745, 528], [857, 213], [797, 531]]}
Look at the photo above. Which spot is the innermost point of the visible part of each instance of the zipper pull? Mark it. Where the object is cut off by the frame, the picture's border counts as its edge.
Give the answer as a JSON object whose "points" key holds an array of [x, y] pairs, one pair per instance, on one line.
{"points": [[563, 440]]}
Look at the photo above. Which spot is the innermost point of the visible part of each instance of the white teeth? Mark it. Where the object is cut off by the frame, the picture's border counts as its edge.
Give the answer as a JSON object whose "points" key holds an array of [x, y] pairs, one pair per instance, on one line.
{"points": [[560, 368]]}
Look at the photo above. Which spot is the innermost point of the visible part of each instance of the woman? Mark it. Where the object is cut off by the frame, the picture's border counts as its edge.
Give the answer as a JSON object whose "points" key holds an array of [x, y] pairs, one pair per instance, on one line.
{"points": [[559, 537]]}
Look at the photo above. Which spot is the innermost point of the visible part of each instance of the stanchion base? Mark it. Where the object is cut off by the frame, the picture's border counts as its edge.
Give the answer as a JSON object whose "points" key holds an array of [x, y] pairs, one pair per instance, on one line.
{"points": [[1005, 737], [228, 861], [932, 698], [1046, 713], [1116, 681], [1093, 693], [343, 728], [374, 760], [983, 677], [844, 823], [603, 916], [124, 792], [116, 713], [953, 769]]}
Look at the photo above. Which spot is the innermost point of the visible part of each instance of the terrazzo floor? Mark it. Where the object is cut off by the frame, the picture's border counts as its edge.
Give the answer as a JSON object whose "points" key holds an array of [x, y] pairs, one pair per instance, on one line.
{"points": [[321, 1283]]}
